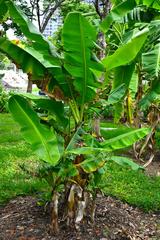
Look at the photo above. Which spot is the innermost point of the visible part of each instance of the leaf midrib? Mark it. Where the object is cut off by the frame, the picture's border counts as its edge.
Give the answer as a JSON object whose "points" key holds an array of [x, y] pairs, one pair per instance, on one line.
{"points": [[84, 65], [158, 61], [124, 135]]}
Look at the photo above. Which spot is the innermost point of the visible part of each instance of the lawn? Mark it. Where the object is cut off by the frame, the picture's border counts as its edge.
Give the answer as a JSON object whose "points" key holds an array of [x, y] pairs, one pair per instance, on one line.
{"points": [[15, 156]]}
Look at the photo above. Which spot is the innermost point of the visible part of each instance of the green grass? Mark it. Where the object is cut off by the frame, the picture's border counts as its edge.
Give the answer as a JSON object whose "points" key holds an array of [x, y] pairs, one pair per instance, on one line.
{"points": [[15, 153], [133, 187], [130, 186]]}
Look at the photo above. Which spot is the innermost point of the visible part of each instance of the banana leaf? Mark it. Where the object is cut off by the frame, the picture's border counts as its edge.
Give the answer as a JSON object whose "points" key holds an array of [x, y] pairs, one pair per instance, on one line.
{"points": [[150, 3], [38, 41], [117, 94], [115, 2], [127, 52], [133, 86], [152, 95], [54, 107], [110, 145], [43, 141], [78, 38], [117, 13], [122, 75], [109, 131], [92, 164], [30, 60], [125, 139], [3, 10], [26, 26], [151, 61], [29, 64], [125, 161]]}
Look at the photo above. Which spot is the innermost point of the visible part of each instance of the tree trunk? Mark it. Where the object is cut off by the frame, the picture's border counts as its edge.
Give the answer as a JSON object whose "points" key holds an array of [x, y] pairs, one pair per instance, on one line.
{"points": [[29, 87]]}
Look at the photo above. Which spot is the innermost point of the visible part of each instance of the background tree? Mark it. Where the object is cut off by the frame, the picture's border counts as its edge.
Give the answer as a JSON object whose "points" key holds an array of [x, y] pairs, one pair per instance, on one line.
{"points": [[102, 7], [43, 11]]}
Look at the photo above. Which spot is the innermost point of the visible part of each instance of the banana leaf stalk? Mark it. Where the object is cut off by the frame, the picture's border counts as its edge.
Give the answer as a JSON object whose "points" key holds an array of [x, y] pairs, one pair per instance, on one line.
{"points": [[71, 204], [77, 203], [54, 213], [81, 207]]}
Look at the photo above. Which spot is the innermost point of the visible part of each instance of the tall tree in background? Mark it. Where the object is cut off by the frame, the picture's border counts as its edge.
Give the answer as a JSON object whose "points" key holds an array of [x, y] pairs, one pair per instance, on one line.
{"points": [[43, 11], [40, 11], [102, 7]]}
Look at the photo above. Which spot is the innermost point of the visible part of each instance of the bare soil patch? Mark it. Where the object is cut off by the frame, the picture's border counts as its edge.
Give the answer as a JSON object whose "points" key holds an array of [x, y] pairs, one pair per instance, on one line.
{"points": [[23, 219]]}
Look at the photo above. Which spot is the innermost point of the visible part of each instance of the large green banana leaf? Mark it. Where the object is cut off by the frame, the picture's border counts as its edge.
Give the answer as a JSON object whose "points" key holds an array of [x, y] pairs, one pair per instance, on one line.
{"points": [[43, 141], [117, 13], [127, 52], [117, 94], [78, 38], [121, 141], [109, 130], [151, 61], [125, 161], [39, 42], [28, 28], [28, 58], [125, 139], [52, 106], [28, 63], [122, 75]]}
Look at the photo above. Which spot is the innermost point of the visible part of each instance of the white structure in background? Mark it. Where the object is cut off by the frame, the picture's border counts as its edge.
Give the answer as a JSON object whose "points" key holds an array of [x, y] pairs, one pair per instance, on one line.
{"points": [[14, 80], [53, 24]]}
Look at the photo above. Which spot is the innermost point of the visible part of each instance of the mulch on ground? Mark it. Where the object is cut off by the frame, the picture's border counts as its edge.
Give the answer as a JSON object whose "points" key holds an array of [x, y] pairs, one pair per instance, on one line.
{"points": [[23, 219]]}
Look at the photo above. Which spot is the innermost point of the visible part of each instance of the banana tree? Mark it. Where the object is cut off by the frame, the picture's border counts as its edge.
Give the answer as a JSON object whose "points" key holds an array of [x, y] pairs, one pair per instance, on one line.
{"points": [[67, 140]]}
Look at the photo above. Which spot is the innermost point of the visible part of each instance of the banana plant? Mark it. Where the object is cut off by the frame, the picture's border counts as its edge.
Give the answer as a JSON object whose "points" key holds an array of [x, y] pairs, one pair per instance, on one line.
{"points": [[141, 75], [65, 140], [124, 20], [128, 8]]}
